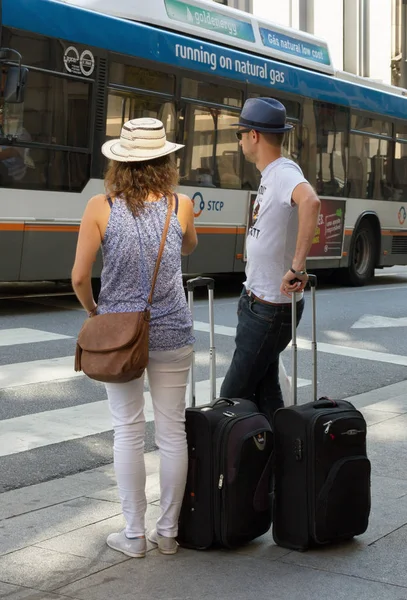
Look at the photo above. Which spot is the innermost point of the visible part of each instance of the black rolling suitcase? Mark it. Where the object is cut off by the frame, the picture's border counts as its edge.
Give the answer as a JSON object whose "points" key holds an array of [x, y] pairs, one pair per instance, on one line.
{"points": [[321, 490], [226, 501]]}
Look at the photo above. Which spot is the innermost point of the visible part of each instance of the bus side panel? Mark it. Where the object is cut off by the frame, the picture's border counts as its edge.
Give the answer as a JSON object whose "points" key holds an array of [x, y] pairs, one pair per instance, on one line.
{"points": [[344, 262], [393, 248], [385, 257], [239, 263], [11, 246], [215, 253], [47, 254]]}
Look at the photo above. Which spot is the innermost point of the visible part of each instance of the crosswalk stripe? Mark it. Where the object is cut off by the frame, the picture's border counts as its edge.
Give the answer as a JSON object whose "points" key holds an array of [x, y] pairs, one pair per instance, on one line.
{"points": [[385, 357], [24, 335], [37, 371], [61, 425], [55, 426], [54, 369], [43, 371]]}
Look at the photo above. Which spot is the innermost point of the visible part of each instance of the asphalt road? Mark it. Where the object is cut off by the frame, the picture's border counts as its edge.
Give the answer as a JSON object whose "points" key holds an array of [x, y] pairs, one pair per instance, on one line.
{"points": [[53, 423]]}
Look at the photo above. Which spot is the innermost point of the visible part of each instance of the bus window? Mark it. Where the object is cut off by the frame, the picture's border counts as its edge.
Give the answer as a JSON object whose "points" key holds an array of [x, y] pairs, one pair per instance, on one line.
{"points": [[43, 169], [12, 120], [401, 131], [400, 172], [57, 110], [167, 115], [291, 143], [251, 176], [145, 79], [199, 140], [211, 92], [292, 108], [369, 173], [227, 152], [118, 112], [123, 106], [365, 124], [332, 123], [15, 160], [308, 156], [211, 156]]}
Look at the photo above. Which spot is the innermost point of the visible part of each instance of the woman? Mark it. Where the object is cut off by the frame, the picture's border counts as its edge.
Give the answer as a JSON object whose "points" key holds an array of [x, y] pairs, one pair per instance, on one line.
{"points": [[128, 223]]}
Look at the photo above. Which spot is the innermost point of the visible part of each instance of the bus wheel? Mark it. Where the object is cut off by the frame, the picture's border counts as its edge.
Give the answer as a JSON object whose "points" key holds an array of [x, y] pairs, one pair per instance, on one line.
{"points": [[362, 259]]}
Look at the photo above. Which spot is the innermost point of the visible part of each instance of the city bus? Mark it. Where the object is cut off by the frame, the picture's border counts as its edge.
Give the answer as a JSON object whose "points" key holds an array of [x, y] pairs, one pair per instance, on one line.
{"points": [[84, 67]]}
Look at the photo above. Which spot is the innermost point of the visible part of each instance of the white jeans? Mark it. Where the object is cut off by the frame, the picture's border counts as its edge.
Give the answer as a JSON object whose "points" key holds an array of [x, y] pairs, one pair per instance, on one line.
{"points": [[167, 375]]}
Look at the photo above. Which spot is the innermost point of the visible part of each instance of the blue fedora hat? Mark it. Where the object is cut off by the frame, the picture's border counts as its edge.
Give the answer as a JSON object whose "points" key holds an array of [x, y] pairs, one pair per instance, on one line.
{"points": [[265, 115]]}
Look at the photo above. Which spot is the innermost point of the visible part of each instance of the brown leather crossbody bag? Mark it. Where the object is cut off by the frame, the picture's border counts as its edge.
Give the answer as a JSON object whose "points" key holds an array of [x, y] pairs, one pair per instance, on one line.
{"points": [[114, 347]]}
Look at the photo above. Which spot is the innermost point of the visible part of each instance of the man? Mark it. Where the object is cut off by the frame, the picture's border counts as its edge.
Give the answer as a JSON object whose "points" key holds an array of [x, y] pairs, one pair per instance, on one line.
{"points": [[284, 220]]}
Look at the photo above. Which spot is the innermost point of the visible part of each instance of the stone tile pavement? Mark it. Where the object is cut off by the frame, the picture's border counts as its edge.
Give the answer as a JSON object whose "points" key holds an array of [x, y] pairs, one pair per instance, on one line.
{"points": [[52, 539]]}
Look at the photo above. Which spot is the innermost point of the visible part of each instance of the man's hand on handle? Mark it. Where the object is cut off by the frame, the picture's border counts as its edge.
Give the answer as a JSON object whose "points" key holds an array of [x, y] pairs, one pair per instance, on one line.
{"points": [[293, 283]]}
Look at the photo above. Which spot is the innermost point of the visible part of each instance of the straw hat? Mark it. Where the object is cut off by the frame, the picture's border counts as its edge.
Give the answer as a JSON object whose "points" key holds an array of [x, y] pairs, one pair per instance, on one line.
{"points": [[140, 139]]}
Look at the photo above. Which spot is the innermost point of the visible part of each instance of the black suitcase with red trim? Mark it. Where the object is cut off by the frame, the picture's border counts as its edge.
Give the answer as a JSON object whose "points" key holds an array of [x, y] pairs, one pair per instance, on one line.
{"points": [[321, 490]]}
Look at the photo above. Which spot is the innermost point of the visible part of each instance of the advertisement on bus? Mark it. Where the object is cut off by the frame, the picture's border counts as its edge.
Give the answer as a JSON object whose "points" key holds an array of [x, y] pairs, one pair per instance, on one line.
{"points": [[328, 239]]}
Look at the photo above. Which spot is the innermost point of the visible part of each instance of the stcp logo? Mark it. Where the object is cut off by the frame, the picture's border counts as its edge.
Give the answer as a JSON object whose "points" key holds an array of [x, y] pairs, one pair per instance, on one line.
{"points": [[199, 204], [210, 205]]}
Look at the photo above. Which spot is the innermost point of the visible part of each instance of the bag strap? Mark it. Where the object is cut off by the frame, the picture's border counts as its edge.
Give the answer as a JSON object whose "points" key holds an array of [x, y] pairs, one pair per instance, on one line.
{"points": [[160, 253]]}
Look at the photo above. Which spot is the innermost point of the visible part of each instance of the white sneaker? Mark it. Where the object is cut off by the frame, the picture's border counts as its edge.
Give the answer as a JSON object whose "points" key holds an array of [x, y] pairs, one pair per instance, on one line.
{"points": [[166, 545], [134, 547]]}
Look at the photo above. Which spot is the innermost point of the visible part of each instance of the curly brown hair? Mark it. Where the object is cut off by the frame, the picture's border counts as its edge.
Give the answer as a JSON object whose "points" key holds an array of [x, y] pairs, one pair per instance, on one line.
{"points": [[136, 181]]}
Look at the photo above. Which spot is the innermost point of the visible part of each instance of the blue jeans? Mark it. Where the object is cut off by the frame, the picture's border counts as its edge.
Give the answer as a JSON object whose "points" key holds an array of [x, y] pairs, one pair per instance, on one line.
{"points": [[263, 331]]}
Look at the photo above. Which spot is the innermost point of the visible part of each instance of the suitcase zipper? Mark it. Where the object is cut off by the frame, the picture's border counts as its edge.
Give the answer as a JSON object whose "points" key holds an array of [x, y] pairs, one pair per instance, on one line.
{"points": [[221, 496], [311, 470], [327, 426], [219, 476]]}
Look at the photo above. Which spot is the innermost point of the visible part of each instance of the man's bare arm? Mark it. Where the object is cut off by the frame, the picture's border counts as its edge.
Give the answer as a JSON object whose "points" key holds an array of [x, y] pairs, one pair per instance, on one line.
{"points": [[308, 210]]}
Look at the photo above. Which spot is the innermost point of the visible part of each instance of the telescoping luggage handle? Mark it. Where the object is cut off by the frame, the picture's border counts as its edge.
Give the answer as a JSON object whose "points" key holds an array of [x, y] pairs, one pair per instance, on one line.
{"points": [[312, 283], [210, 284]]}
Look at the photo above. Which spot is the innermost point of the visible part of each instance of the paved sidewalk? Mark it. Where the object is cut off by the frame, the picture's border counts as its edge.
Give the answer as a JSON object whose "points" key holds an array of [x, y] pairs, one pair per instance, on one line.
{"points": [[52, 539]]}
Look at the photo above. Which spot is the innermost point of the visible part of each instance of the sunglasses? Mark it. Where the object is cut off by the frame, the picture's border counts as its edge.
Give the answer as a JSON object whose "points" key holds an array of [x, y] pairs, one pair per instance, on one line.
{"points": [[241, 132]]}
